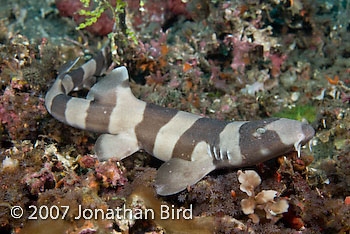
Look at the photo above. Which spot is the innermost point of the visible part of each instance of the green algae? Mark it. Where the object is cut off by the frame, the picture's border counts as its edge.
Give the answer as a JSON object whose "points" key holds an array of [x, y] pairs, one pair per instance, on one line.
{"points": [[307, 112]]}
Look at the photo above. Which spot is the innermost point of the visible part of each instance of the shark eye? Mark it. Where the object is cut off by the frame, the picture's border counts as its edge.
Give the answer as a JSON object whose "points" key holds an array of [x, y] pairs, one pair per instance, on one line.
{"points": [[260, 131]]}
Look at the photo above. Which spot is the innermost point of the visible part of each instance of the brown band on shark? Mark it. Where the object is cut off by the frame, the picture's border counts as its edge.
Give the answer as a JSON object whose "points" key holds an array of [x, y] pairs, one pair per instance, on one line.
{"points": [[98, 117], [77, 76], [154, 117], [107, 58], [101, 63], [58, 106], [203, 129], [98, 114], [102, 60], [252, 143]]}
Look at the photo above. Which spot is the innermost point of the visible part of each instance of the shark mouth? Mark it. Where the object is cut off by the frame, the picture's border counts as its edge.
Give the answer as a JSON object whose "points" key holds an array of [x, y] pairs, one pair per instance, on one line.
{"points": [[299, 143]]}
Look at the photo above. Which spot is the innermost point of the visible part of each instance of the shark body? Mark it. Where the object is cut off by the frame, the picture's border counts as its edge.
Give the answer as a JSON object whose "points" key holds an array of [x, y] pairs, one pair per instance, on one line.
{"points": [[191, 145]]}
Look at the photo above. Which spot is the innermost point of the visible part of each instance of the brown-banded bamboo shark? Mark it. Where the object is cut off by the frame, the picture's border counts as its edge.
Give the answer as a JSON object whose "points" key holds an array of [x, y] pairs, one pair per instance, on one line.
{"points": [[191, 145]]}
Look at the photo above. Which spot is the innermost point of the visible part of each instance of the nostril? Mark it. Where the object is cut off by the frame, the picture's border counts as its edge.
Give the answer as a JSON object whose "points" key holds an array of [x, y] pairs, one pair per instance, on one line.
{"points": [[308, 131]]}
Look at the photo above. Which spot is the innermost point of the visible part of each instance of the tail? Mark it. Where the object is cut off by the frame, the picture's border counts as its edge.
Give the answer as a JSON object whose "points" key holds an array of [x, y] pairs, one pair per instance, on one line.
{"points": [[93, 112]]}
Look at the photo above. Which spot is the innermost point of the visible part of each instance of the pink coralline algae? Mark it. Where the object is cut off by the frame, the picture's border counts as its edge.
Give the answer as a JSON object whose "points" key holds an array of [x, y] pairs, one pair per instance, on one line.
{"points": [[240, 52], [19, 111], [110, 174], [87, 161], [39, 181], [277, 61]]}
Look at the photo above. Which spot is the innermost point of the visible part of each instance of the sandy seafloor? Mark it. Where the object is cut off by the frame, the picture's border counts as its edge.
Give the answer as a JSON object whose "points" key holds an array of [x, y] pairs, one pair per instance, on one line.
{"points": [[229, 60]]}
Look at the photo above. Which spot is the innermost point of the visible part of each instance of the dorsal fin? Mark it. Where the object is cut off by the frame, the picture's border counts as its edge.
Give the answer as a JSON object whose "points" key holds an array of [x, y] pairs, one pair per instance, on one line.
{"points": [[106, 89]]}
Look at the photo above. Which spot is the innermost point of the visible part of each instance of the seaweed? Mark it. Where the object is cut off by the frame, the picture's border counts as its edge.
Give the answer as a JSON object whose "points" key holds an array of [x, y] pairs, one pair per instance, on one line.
{"points": [[299, 112]]}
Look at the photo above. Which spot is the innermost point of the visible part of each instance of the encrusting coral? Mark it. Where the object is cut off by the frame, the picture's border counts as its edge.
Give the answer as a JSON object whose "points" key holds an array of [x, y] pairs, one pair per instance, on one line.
{"points": [[264, 200]]}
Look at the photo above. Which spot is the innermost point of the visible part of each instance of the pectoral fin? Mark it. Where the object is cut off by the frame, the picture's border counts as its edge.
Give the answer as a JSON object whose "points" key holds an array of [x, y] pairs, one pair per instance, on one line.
{"points": [[116, 146], [176, 174]]}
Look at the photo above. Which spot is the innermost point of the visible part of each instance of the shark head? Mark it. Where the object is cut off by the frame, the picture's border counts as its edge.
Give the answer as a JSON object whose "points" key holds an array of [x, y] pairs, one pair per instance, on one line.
{"points": [[265, 139]]}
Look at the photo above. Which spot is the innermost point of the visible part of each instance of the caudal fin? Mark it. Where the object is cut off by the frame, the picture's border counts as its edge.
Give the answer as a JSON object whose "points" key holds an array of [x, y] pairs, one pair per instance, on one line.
{"points": [[57, 99], [93, 112]]}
